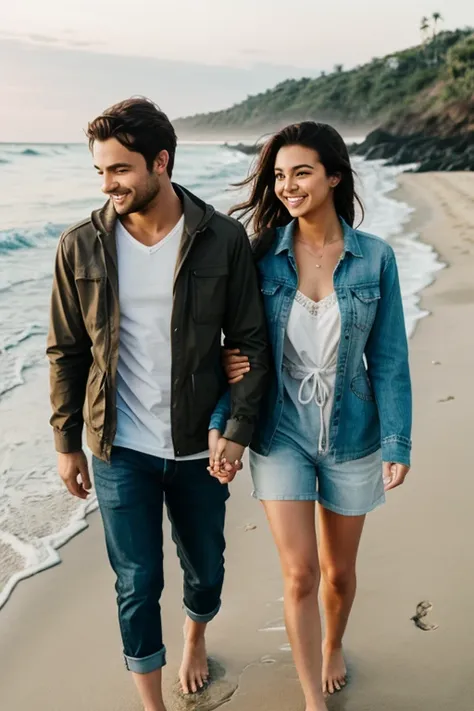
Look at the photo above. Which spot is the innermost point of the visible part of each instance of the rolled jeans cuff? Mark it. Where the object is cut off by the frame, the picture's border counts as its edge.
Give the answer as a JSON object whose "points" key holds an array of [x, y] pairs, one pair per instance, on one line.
{"points": [[145, 665], [202, 618]]}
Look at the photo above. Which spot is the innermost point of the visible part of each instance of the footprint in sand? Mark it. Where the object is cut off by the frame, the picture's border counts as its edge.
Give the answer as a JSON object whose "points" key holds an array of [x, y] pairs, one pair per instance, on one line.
{"points": [[219, 690], [422, 610]]}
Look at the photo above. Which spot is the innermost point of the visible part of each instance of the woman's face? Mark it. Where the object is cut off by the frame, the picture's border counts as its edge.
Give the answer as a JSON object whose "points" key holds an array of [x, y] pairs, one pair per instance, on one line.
{"points": [[301, 182]]}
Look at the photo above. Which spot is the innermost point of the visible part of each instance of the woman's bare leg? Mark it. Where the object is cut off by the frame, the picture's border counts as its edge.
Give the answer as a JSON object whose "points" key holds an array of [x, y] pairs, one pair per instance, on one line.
{"points": [[339, 543], [294, 530]]}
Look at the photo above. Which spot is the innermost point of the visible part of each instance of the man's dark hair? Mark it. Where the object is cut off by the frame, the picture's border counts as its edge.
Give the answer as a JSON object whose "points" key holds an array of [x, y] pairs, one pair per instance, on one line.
{"points": [[139, 125]]}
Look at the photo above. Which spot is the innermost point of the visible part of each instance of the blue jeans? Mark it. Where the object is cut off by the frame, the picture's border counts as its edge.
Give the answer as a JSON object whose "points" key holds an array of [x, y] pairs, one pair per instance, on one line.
{"points": [[131, 490]]}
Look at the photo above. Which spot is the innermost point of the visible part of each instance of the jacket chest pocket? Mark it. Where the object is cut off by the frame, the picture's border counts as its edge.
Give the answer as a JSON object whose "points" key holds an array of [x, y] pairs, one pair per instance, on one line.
{"points": [[365, 300], [91, 288], [271, 292], [209, 294]]}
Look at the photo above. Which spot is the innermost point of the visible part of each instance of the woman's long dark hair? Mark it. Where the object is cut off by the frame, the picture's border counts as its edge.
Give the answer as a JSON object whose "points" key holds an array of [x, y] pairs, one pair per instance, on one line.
{"points": [[263, 211]]}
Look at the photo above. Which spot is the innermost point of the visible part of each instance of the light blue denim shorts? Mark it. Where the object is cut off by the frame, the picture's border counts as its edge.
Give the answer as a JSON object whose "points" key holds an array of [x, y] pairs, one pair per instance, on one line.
{"points": [[295, 471]]}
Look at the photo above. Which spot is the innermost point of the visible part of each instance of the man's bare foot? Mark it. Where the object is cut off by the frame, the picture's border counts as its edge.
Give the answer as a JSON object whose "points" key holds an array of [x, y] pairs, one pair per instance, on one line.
{"points": [[334, 670], [194, 670]]}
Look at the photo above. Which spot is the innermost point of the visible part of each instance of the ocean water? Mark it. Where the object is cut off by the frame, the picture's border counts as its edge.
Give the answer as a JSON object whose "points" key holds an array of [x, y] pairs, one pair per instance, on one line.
{"points": [[44, 188]]}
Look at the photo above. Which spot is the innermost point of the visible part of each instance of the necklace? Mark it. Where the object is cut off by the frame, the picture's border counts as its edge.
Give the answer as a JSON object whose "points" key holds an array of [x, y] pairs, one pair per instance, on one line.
{"points": [[311, 251]]}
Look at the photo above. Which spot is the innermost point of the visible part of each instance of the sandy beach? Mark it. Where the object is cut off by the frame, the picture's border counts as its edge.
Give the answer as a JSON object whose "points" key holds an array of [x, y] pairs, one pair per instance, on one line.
{"points": [[60, 646]]}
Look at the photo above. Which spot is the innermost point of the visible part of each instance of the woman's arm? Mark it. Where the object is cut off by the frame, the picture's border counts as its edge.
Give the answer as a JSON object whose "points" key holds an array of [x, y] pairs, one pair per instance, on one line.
{"points": [[388, 368]]}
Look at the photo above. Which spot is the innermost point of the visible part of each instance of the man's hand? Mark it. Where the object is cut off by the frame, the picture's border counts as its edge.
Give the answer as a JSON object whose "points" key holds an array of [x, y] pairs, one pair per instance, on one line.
{"points": [[74, 471], [224, 457], [394, 474], [235, 365]]}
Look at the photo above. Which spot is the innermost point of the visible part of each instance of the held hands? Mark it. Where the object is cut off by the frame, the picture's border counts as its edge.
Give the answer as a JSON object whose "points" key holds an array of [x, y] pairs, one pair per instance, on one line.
{"points": [[74, 471], [394, 474], [224, 457]]}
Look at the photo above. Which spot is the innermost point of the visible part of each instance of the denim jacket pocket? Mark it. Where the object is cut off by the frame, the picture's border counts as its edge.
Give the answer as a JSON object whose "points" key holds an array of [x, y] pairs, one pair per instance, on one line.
{"points": [[361, 387], [269, 288], [365, 300], [271, 292]]}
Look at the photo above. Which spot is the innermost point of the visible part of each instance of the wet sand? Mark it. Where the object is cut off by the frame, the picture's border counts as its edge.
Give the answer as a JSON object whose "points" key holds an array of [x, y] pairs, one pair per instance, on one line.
{"points": [[59, 640]]}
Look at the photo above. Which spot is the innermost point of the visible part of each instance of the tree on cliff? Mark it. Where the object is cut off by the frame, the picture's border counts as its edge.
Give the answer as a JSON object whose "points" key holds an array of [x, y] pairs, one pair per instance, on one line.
{"points": [[424, 29], [436, 18]]}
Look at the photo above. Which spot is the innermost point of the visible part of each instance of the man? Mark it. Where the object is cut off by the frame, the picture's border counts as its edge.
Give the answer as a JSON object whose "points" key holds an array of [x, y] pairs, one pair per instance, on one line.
{"points": [[142, 291]]}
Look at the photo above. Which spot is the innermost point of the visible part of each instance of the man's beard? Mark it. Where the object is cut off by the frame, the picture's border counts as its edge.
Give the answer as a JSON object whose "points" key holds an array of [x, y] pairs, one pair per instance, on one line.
{"points": [[141, 202]]}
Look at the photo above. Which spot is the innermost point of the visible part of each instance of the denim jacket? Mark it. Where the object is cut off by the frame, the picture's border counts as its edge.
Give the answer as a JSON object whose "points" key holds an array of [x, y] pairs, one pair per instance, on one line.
{"points": [[372, 399]]}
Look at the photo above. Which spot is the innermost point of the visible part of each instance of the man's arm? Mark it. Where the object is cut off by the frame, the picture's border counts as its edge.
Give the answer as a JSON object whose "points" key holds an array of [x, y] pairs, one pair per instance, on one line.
{"points": [[69, 353], [245, 328]]}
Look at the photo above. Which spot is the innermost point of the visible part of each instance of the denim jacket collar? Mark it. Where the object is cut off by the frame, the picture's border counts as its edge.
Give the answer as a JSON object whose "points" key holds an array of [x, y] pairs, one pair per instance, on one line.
{"points": [[285, 239]]}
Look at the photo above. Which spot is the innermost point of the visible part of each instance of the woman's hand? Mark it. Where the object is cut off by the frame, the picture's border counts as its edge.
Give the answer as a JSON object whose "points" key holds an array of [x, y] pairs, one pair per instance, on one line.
{"points": [[224, 457], [235, 365], [394, 474]]}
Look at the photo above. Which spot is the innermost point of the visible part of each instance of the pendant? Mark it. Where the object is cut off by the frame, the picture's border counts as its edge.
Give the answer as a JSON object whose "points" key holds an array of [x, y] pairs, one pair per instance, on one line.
{"points": [[318, 266]]}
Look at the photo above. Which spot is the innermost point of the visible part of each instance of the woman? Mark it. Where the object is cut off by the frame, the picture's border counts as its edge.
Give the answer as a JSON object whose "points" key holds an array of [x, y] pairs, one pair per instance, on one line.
{"points": [[335, 425]]}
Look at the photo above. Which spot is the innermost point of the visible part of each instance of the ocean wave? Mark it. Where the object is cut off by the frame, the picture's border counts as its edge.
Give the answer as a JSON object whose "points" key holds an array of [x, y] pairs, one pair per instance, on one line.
{"points": [[6, 286], [42, 553], [13, 375], [30, 152], [34, 329], [13, 239]]}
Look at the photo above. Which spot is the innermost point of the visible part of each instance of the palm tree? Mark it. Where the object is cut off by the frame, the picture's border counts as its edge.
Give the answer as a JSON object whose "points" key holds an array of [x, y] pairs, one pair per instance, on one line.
{"points": [[436, 18], [424, 28]]}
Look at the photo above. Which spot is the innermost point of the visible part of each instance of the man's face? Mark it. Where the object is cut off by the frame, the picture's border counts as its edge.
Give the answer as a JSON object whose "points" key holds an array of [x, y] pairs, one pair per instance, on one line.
{"points": [[126, 178]]}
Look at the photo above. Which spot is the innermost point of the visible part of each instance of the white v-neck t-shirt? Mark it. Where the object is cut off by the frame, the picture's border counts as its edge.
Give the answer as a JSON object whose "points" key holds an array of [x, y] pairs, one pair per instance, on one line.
{"points": [[144, 364]]}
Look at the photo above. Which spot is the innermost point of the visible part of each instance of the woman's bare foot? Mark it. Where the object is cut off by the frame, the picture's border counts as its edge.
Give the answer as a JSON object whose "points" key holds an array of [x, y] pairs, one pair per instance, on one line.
{"points": [[334, 670], [194, 670]]}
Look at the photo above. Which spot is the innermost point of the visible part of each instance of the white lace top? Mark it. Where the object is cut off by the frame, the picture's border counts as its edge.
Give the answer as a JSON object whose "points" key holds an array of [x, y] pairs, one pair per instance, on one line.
{"points": [[310, 354]]}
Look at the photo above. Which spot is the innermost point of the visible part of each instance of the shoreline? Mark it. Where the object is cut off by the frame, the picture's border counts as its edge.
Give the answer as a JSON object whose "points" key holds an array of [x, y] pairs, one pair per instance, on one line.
{"points": [[61, 626], [417, 219]]}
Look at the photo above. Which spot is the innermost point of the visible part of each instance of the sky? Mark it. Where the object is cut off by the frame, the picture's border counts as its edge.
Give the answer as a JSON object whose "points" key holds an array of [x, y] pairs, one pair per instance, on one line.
{"points": [[63, 62]]}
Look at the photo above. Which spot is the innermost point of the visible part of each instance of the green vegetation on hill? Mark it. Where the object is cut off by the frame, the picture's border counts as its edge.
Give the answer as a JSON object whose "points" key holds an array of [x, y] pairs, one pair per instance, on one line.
{"points": [[425, 88]]}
